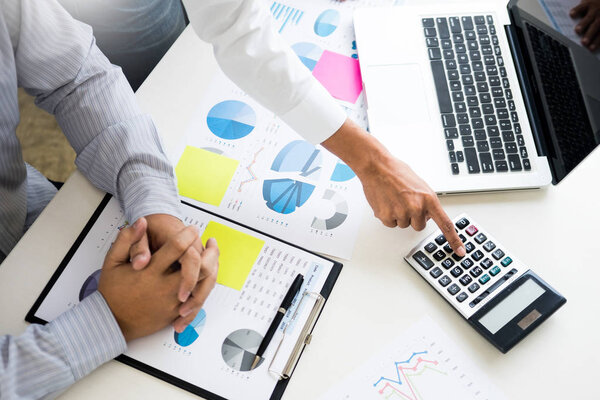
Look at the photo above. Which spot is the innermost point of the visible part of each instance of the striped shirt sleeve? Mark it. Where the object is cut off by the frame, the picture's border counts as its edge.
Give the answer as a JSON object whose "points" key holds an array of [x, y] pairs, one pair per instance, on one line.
{"points": [[45, 360]]}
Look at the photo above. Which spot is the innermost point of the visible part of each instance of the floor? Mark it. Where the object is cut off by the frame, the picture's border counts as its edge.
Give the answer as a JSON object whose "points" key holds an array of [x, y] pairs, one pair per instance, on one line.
{"points": [[44, 146]]}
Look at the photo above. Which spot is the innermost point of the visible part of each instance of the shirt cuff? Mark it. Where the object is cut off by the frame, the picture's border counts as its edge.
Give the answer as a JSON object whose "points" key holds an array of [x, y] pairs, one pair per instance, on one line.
{"points": [[148, 195], [317, 117], [89, 335]]}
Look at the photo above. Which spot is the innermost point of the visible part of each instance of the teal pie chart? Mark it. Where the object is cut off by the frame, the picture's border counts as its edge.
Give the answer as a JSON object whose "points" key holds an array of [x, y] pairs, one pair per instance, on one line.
{"points": [[231, 119], [327, 23], [192, 331]]}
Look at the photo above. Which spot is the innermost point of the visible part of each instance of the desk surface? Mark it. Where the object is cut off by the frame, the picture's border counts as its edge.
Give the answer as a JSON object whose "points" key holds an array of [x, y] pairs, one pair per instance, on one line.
{"points": [[551, 229]]}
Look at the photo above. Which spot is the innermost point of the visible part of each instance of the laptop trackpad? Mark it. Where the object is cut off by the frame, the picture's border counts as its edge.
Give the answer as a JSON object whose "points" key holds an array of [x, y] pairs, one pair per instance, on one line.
{"points": [[395, 93]]}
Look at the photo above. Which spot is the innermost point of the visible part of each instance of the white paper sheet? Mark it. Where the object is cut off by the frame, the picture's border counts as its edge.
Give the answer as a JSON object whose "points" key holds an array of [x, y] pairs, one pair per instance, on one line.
{"points": [[421, 364]]}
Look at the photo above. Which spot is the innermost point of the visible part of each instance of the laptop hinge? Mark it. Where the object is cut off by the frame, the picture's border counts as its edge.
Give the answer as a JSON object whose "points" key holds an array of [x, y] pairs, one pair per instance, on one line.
{"points": [[529, 90]]}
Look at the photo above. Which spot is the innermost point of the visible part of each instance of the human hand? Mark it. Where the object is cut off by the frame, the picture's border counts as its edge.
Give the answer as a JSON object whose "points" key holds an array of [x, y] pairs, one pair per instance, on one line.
{"points": [[396, 194], [589, 26], [198, 276], [144, 301]]}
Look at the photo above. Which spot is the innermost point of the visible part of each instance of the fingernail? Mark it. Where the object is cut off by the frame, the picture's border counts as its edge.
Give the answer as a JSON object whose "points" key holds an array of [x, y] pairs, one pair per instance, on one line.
{"points": [[185, 313], [183, 296], [461, 252], [137, 258], [585, 41]]}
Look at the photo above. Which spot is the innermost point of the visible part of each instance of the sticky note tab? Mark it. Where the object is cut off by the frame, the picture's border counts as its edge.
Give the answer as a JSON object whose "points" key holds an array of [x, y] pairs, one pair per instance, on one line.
{"points": [[203, 175], [340, 75], [238, 253]]}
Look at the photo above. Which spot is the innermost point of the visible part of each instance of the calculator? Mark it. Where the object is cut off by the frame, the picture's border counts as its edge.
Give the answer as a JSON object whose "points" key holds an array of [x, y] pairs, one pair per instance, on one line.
{"points": [[500, 297]]}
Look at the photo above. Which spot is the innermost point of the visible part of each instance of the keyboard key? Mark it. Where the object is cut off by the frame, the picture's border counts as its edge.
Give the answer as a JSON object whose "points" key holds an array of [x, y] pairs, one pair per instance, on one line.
{"points": [[467, 141], [430, 247], [462, 59], [441, 87], [518, 130], [506, 262], [487, 165], [484, 40], [489, 246], [501, 166], [511, 147], [497, 92], [441, 239], [454, 168], [439, 255], [489, 19], [494, 271], [428, 23], [443, 29], [475, 272], [457, 96], [474, 287], [472, 162], [460, 156], [467, 263], [514, 162], [520, 140], [498, 254], [485, 98], [508, 136], [432, 42], [458, 38], [465, 280], [480, 238], [450, 64], [485, 264], [477, 255], [495, 142], [471, 230], [448, 263], [444, 280], [436, 272], [453, 74], [453, 289], [526, 164], [423, 260], [523, 152], [448, 120], [448, 248], [474, 112], [479, 134], [462, 119], [454, 23], [448, 54], [456, 257], [487, 109], [469, 247], [451, 133], [482, 30], [450, 145], [462, 237], [446, 44], [452, 156], [462, 296], [474, 55], [498, 154], [470, 90], [465, 69], [473, 46], [460, 48], [467, 80], [470, 35], [430, 32], [484, 279], [467, 23], [479, 20], [435, 53], [462, 223]]}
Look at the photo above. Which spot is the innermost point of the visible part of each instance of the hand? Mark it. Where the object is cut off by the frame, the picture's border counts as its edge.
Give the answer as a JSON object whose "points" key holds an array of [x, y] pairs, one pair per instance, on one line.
{"points": [[145, 301], [198, 277], [589, 26], [396, 194]]}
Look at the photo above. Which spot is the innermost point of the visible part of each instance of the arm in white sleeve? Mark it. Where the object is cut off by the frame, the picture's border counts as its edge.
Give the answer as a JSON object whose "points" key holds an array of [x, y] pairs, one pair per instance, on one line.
{"points": [[257, 59]]}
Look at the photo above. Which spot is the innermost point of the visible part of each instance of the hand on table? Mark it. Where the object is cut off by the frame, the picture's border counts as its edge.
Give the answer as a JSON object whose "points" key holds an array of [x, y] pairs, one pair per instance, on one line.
{"points": [[589, 26], [199, 266], [145, 301], [396, 194]]}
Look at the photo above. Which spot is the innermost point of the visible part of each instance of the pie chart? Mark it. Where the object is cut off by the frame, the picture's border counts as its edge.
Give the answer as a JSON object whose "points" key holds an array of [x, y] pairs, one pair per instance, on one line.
{"points": [[285, 195], [239, 348], [339, 216], [231, 119], [192, 331], [327, 22], [308, 53], [90, 285], [342, 173]]}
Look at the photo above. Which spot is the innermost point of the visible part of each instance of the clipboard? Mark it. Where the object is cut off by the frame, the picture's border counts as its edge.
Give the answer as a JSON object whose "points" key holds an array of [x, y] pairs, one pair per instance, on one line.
{"points": [[280, 366]]}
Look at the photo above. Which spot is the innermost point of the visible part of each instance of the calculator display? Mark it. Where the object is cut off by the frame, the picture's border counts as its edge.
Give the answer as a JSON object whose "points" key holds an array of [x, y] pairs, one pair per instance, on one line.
{"points": [[508, 308]]}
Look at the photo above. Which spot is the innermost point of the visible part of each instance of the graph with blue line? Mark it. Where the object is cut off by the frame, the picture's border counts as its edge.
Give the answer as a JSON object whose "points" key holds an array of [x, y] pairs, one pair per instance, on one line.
{"points": [[285, 15], [398, 380]]}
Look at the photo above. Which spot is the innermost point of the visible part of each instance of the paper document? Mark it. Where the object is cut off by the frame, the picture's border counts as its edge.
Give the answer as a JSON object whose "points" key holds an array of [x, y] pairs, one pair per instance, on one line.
{"points": [[421, 364], [558, 14]]}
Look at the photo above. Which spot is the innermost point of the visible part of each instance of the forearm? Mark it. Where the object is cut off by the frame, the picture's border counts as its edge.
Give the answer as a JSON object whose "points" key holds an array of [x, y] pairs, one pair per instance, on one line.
{"points": [[45, 360]]}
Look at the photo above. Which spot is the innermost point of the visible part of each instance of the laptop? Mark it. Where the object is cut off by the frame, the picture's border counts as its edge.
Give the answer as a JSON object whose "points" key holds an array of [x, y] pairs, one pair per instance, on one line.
{"points": [[478, 97]]}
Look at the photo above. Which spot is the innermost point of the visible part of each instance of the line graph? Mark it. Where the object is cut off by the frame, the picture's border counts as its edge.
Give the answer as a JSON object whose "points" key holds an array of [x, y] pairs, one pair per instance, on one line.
{"points": [[253, 176]]}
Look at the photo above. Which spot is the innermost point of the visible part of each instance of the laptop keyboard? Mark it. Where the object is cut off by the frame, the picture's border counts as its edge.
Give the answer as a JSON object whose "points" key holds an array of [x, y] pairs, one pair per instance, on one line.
{"points": [[481, 125]]}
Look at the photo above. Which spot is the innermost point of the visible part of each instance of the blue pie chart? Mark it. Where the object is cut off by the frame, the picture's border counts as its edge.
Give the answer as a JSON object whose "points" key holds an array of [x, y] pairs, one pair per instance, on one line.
{"points": [[342, 173], [327, 22], [90, 285], [308, 53], [231, 119], [192, 331]]}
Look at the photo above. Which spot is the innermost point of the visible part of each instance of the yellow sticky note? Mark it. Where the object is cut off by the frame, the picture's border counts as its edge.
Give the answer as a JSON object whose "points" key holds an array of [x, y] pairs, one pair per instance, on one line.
{"points": [[238, 253], [203, 175]]}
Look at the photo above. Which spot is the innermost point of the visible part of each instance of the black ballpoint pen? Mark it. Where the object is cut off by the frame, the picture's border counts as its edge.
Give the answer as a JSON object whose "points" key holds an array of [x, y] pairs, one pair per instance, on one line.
{"points": [[285, 304]]}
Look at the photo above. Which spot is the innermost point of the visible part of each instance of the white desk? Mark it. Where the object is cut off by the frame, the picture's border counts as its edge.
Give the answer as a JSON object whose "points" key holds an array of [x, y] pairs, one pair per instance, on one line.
{"points": [[553, 229]]}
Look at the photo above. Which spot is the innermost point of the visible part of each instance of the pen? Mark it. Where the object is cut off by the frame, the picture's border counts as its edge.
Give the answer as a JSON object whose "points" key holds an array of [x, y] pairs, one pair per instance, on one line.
{"points": [[285, 304]]}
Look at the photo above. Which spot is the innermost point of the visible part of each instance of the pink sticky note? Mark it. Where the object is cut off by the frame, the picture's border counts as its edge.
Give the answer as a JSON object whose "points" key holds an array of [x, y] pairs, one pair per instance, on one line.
{"points": [[340, 75]]}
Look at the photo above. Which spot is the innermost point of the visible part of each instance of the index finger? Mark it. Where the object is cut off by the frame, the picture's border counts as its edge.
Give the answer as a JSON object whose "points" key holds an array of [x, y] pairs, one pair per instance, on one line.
{"points": [[578, 10], [173, 249], [447, 227]]}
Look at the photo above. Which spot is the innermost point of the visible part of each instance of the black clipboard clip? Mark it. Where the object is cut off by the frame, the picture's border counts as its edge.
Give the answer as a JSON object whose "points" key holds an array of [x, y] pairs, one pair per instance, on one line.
{"points": [[304, 338]]}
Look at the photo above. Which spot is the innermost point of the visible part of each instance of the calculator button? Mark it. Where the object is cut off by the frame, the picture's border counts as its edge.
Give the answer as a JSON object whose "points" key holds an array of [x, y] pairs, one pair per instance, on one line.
{"points": [[474, 287], [448, 248], [472, 230], [462, 296], [462, 237], [423, 260], [477, 255], [484, 279], [467, 263], [444, 280], [469, 247], [430, 247], [489, 246], [498, 254], [440, 240], [457, 257], [447, 263], [456, 271], [439, 255], [465, 280], [506, 262], [453, 289], [436, 272], [480, 238], [486, 263], [494, 271], [475, 272], [462, 223]]}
